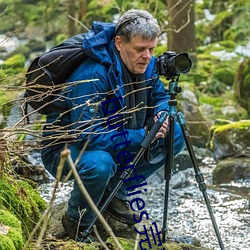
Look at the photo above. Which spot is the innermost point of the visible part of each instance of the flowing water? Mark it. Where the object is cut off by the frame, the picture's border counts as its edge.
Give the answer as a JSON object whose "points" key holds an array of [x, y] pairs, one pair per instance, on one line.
{"points": [[187, 212]]}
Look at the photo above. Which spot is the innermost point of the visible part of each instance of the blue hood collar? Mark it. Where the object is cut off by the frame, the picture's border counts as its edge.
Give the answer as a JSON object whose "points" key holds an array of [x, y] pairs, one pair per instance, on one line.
{"points": [[99, 42]]}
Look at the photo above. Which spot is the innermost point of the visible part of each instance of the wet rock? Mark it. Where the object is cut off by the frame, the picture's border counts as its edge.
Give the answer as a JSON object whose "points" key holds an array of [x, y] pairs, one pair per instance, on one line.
{"points": [[231, 169], [181, 179]]}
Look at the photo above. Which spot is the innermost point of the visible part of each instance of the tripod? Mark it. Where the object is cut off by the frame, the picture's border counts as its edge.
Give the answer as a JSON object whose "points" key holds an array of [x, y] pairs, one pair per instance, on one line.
{"points": [[173, 90], [128, 171]]}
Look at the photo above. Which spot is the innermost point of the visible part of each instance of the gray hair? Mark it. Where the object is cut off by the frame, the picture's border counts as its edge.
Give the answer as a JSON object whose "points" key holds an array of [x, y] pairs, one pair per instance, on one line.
{"points": [[137, 22]]}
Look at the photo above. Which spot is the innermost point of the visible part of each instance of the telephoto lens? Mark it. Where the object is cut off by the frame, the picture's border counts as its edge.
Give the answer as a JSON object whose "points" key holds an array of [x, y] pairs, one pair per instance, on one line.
{"points": [[170, 64]]}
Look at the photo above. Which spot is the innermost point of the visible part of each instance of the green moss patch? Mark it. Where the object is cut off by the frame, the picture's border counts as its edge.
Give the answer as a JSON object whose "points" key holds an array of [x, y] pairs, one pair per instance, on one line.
{"points": [[22, 200], [10, 231], [231, 134]]}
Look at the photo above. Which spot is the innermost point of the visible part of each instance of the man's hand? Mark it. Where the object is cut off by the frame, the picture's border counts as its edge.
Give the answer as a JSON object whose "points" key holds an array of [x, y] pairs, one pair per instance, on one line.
{"points": [[164, 128]]}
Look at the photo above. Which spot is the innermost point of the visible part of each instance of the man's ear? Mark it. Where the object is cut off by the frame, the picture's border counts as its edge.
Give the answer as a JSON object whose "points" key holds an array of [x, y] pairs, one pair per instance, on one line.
{"points": [[118, 42]]}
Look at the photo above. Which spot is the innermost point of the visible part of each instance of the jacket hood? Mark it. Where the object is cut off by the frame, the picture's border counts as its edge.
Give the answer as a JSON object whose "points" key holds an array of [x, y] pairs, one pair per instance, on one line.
{"points": [[98, 42]]}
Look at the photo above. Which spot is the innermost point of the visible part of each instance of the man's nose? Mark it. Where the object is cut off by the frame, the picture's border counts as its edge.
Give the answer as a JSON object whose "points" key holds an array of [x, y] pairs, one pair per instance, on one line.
{"points": [[146, 54]]}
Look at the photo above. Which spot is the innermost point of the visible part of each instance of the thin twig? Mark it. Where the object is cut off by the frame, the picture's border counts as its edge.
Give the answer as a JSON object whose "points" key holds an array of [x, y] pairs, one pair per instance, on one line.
{"points": [[99, 238], [45, 217], [137, 238], [77, 21], [66, 154]]}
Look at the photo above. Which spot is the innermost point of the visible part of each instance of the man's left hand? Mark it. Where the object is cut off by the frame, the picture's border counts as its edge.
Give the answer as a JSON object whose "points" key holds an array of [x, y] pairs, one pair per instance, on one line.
{"points": [[164, 128]]}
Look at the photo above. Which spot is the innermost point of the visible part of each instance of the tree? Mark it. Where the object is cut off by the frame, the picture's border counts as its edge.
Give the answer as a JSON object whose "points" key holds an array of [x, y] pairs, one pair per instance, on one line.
{"points": [[181, 27]]}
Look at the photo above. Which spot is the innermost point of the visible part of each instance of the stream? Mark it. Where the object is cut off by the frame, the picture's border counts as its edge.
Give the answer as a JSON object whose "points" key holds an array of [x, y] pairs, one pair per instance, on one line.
{"points": [[187, 212]]}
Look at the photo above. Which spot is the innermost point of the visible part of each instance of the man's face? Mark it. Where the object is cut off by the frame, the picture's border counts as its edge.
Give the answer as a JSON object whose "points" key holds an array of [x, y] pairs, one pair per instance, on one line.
{"points": [[137, 53]]}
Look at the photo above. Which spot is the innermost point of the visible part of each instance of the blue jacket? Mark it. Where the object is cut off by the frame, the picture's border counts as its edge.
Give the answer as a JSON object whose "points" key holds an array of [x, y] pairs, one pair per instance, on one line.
{"points": [[86, 117]]}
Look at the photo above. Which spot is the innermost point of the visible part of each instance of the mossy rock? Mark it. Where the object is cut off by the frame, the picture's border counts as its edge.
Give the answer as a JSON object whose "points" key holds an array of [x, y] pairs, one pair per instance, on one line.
{"points": [[21, 199], [10, 231], [231, 139]]}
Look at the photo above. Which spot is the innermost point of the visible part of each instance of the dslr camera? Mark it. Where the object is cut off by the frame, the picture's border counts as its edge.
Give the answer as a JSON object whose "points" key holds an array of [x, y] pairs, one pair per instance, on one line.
{"points": [[171, 65]]}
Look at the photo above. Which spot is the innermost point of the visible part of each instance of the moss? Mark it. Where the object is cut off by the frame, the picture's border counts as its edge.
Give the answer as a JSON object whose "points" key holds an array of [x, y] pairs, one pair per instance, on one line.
{"points": [[6, 243], [129, 245], [13, 71], [13, 239], [212, 100], [21, 199], [9, 219], [238, 128], [229, 45], [235, 125], [225, 75], [16, 237], [219, 102], [6, 96]]}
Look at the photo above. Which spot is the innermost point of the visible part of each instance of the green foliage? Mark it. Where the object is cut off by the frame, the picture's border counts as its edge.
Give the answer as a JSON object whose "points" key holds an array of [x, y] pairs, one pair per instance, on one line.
{"points": [[219, 102], [160, 49], [242, 84], [221, 23], [22, 200], [216, 67], [224, 75], [229, 23], [12, 67], [17, 61], [214, 101]]}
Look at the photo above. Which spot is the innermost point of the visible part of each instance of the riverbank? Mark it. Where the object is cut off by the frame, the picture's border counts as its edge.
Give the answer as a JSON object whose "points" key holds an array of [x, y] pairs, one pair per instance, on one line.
{"points": [[188, 216]]}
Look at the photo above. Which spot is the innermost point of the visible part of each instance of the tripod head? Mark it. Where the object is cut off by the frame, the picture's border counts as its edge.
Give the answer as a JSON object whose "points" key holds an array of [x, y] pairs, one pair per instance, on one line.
{"points": [[174, 89]]}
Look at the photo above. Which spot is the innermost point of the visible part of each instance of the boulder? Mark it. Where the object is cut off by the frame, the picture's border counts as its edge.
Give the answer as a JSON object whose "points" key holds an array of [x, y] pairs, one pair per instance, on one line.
{"points": [[197, 125], [230, 139], [231, 169]]}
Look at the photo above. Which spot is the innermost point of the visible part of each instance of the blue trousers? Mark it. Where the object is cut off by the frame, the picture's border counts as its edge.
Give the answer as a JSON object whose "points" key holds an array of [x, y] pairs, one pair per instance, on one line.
{"points": [[99, 171]]}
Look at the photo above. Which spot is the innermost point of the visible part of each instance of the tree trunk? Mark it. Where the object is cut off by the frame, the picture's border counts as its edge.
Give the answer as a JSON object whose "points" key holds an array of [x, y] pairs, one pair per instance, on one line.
{"points": [[181, 27], [83, 7], [71, 6]]}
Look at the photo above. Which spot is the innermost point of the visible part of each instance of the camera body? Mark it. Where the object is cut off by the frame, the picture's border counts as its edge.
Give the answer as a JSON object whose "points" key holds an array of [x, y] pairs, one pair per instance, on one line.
{"points": [[171, 65]]}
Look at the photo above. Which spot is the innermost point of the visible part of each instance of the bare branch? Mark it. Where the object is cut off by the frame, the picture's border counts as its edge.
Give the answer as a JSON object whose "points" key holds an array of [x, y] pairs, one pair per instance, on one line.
{"points": [[66, 154]]}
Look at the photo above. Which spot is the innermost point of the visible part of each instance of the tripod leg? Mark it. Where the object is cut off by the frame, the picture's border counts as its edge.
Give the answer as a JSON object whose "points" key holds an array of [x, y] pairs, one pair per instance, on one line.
{"points": [[199, 176], [126, 173], [168, 173]]}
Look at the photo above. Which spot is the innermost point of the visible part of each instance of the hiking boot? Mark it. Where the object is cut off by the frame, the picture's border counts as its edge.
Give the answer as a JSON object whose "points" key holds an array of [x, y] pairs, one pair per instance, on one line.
{"points": [[121, 211], [74, 231]]}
